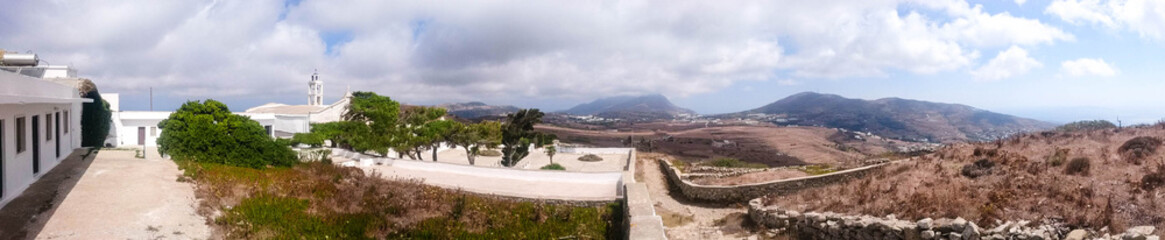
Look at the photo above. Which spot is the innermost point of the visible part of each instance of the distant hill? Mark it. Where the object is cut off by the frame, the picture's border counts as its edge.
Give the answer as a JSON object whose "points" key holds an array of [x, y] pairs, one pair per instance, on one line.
{"points": [[476, 110], [644, 107], [899, 118]]}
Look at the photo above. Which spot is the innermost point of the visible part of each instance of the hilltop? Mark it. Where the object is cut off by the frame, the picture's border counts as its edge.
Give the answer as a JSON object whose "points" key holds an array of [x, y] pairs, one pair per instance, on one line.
{"points": [[646, 107], [896, 118]]}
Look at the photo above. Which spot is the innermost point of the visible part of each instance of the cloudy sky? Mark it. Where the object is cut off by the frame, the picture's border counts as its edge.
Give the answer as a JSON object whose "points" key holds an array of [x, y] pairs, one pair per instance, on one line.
{"points": [[1052, 60]]}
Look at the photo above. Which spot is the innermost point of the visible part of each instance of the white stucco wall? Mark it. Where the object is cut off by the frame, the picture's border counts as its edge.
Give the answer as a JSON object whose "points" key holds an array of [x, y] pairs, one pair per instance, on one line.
{"points": [[128, 123], [22, 96]]}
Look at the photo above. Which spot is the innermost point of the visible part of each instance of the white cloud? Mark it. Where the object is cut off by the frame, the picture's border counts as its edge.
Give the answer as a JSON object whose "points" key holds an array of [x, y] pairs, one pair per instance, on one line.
{"points": [[1145, 17], [498, 51], [1020, 2], [1088, 67], [1008, 63]]}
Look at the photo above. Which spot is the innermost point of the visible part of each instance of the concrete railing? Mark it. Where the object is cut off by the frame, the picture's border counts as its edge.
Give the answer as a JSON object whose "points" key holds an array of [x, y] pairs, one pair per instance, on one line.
{"points": [[743, 193]]}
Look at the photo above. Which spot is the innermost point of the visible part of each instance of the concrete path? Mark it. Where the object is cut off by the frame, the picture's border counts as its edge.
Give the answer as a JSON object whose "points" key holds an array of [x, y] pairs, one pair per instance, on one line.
{"points": [[124, 197], [684, 219]]}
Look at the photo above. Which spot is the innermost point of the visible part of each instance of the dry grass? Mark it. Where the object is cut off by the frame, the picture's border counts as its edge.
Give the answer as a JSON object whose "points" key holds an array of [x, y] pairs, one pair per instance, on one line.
{"points": [[317, 201], [671, 219], [1022, 184]]}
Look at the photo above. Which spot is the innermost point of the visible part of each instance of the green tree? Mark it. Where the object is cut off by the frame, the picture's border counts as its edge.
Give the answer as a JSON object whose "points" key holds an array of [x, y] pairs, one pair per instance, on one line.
{"points": [[518, 134], [550, 151], [418, 130], [474, 137], [370, 123], [208, 132], [95, 116]]}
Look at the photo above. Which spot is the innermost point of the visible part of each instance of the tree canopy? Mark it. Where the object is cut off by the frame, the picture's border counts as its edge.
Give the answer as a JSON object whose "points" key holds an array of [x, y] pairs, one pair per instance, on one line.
{"points": [[208, 132], [473, 137], [518, 134], [370, 121]]}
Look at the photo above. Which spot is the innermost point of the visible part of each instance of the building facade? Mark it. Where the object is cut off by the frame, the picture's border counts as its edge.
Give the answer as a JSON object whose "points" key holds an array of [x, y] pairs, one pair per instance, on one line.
{"points": [[40, 124]]}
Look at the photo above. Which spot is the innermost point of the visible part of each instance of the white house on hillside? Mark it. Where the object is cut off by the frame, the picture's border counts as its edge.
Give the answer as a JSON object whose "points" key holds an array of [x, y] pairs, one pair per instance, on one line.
{"points": [[40, 120]]}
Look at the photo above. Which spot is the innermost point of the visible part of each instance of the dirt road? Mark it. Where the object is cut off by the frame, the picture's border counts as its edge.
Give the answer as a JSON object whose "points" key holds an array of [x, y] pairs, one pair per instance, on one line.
{"points": [[685, 219]]}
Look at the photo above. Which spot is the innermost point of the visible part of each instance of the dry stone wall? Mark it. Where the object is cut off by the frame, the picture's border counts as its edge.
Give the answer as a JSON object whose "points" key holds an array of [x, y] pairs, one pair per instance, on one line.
{"points": [[828, 225], [742, 193]]}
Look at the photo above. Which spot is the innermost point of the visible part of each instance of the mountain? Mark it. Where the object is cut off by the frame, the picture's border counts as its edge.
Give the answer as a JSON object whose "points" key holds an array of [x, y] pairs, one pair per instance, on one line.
{"points": [[653, 106], [898, 118], [475, 110]]}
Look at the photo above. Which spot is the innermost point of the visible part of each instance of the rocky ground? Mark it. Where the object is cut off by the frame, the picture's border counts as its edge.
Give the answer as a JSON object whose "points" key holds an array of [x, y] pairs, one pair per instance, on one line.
{"points": [[687, 220]]}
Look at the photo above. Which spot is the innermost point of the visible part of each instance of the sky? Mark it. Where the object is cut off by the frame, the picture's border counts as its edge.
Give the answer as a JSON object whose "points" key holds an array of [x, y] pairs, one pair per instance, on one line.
{"points": [[1058, 61]]}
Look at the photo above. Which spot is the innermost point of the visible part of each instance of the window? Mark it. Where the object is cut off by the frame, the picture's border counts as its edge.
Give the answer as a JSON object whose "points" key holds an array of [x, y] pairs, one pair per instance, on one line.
{"points": [[268, 128], [153, 131], [21, 135], [67, 122], [48, 127]]}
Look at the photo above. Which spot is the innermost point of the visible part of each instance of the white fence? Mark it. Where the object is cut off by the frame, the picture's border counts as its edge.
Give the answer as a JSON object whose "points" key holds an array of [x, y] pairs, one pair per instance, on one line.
{"points": [[577, 150]]}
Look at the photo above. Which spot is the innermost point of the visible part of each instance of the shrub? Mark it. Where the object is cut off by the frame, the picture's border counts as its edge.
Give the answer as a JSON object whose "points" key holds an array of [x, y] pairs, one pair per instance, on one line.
{"points": [[978, 168], [553, 166], [1058, 158], [1153, 180], [1086, 125], [310, 139], [208, 132], [95, 117], [1078, 165], [590, 158], [1138, 148], [318, 155], [489, 153], [734, 163], [817, 169]]}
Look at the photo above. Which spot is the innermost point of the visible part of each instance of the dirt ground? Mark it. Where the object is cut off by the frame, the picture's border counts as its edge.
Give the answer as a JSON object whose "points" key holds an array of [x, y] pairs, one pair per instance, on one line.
{"points": [[770, 145], [1019, 178], [123, 197], [684, 219], [756, 177]]}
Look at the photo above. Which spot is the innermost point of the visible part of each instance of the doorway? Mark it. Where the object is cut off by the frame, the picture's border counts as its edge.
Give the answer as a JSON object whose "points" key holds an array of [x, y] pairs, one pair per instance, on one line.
{"points": [[57, 132], [142, 136], [35, 144]]}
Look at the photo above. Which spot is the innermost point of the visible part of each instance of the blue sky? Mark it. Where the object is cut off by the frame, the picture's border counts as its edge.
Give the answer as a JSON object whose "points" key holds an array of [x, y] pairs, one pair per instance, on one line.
{"points": [[1057, 61]]}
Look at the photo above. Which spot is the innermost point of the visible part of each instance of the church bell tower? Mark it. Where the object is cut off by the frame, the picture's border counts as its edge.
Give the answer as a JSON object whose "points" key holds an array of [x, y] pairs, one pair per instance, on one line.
{"points": [[315, 90]]}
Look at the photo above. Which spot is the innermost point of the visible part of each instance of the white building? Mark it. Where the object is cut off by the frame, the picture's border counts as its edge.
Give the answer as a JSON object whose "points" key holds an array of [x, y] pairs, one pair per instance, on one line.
{"points": [[140, 128], [40, 121]]}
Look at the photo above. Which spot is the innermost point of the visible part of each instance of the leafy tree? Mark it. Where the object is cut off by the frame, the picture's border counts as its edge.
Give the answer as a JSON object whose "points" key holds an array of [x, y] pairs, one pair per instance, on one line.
{"points": [[473, 137], [550, 151], [417, 130], [518, 134], [369, 123], [208, 132]]}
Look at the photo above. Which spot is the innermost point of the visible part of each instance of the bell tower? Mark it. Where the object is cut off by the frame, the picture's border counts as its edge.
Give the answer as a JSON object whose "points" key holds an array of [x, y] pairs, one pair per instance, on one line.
{"points": [[315, 90]]}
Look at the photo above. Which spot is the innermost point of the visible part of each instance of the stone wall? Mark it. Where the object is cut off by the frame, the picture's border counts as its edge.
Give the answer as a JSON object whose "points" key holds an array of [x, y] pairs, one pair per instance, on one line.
{"points": [[742, 193], [828, 225]]}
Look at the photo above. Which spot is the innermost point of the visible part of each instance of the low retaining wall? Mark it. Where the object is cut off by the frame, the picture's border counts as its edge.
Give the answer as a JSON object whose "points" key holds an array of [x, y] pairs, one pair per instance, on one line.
{"points": [[742, 193], [578, 150], [828, 225]]}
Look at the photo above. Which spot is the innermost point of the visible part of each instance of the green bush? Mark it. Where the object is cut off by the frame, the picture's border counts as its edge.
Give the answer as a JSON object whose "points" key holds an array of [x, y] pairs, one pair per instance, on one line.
{"points": [[817, 169], [95, 119], [208, 132], [1086, 125], [1059, 157], [734, 163], [1079, 165], [310, 139], [553, 166]]}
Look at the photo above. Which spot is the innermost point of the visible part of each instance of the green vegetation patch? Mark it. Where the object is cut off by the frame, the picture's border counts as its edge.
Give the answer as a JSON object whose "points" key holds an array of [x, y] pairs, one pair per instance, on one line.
{"points": [[324, 201], [553, 166], [734, 163], [1086, 125]]}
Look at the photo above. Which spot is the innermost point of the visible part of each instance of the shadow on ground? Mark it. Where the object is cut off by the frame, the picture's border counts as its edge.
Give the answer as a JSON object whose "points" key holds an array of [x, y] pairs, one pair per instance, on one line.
{"points": [[25, 216]]}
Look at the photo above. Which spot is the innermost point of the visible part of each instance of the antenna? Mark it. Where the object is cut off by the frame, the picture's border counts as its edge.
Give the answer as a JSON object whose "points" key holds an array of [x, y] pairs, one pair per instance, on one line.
{"points": [[151, 99]]}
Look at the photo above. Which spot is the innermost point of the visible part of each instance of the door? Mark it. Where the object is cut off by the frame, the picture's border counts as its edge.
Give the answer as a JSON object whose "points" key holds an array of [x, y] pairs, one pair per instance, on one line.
{"points": [[2, 158], [35, 144], [57, 132], [142, 136]]}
